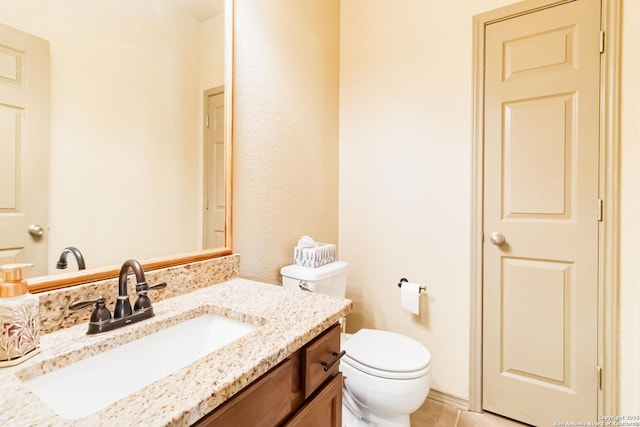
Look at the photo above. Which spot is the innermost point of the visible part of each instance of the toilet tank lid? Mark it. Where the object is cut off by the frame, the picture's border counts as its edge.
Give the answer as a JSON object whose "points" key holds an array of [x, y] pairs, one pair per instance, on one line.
{"points": [[312, 274]]}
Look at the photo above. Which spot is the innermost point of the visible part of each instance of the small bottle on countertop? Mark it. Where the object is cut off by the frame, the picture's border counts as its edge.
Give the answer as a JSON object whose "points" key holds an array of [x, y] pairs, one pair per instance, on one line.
{"points": [[19, 317]]}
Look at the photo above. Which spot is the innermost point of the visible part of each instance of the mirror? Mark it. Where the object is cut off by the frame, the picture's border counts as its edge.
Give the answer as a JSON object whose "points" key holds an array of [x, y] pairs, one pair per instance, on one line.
{"points": [[132, 169]]}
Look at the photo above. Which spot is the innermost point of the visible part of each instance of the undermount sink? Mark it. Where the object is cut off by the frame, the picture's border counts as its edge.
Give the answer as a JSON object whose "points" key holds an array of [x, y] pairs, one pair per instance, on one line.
{"points": [[91, 384]]}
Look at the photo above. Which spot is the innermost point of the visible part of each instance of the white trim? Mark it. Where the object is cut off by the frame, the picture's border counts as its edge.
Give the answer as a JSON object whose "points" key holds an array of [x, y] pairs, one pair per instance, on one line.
{"points": [[477, 172], [448, 399], [608, 348]]}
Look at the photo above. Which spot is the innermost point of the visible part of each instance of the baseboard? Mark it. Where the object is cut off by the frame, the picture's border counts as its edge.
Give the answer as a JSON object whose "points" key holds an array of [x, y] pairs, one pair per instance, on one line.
{"points": [[448, 399]]}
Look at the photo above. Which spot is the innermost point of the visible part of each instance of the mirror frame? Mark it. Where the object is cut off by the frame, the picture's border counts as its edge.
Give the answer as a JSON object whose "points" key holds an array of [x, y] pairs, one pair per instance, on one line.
{"points": [[54, 282], [51, 283]]}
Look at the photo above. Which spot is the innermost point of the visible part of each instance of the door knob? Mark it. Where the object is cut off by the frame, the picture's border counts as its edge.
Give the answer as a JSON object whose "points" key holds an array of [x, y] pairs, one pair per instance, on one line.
{"points": [[35, 230], [497, 238]]}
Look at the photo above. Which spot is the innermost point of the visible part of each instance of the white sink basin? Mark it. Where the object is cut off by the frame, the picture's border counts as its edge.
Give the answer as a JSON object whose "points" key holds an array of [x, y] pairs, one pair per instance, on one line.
{"points": [[89, 385]]}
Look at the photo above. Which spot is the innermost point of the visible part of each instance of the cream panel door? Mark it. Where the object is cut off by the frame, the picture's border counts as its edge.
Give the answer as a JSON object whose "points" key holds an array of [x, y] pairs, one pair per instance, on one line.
{"points": [[24, 147], [214, 215], [541, 194]]}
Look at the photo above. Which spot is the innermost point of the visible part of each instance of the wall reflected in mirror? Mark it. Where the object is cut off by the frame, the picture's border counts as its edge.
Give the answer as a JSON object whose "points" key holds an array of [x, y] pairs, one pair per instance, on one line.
{"points": [[129, 86]]}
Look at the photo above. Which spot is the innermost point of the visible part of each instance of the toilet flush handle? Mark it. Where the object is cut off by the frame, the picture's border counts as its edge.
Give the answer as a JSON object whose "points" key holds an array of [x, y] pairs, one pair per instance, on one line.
{"points": [[304, 286]]}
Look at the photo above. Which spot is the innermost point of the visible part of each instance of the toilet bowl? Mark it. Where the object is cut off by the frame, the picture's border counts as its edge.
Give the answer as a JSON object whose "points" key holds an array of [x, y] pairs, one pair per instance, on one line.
{"points": [[387, 376]]}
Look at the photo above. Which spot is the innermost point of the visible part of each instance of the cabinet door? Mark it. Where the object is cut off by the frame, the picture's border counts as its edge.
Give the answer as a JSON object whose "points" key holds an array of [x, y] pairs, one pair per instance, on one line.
{"points": [[265, 403], [324, 409]]}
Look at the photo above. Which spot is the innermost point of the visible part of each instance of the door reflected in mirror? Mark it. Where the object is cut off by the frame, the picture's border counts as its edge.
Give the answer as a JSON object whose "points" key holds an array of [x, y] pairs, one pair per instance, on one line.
{"points": [[131, 174]]}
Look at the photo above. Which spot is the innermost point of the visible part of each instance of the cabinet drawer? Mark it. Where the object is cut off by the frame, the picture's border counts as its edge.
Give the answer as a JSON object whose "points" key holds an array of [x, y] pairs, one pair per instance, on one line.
{"points": [[321, 360], [267, 402]]}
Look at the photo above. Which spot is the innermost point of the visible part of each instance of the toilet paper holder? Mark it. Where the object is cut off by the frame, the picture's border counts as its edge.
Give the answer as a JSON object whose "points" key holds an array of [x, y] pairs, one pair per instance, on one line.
{"points": [[423, 288]]}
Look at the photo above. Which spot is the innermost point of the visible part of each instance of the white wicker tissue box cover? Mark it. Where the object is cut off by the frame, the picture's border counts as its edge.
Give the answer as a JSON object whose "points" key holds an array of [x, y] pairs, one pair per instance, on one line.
{"points": [[314, 257]]}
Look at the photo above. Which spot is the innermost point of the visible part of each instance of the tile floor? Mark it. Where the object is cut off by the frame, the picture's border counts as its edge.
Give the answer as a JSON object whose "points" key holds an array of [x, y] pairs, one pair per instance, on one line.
{"points": [[435, 414]]}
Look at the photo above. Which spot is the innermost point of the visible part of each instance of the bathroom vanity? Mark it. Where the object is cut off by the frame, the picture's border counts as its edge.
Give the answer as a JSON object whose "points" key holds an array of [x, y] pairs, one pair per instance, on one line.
{"points": [[273, 375], [305, 389]]}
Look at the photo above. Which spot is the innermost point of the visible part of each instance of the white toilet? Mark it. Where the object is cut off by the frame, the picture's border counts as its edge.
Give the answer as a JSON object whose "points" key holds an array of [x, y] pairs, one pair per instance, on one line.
{"points": [[387, 375]]}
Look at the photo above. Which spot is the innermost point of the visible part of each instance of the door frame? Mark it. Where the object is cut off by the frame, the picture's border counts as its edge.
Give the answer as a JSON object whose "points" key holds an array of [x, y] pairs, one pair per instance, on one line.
{"points": [[609, 188]]}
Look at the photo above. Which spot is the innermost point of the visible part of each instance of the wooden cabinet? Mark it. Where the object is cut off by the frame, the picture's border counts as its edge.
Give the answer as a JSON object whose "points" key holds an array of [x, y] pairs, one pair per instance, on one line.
{"points": [[266, 402], [305, 389], [324, 410]]}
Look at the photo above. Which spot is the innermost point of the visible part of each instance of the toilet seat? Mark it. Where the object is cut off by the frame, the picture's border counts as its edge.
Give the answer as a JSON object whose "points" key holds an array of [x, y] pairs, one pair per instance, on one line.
{"points": [[386, 354]]}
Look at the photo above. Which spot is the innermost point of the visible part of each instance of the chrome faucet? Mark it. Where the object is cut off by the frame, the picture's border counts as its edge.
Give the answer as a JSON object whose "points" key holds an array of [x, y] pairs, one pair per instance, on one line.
{"points": [[123, 314], [62, 262]]}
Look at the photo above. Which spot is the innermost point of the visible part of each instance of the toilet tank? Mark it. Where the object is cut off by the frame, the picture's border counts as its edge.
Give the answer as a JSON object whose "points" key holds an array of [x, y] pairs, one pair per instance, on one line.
{"points": [[329, 279]]}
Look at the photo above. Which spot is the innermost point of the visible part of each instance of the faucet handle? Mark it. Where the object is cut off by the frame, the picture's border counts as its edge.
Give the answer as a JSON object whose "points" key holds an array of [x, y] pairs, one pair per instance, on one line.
{"points": [[143, 287], [101, 312], [143, 300], [82, 304], [158, 286]]}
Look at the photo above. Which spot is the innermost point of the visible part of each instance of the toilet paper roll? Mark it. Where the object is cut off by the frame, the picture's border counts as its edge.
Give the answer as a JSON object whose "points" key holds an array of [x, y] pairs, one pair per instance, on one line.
{"points": [[410, 297]]}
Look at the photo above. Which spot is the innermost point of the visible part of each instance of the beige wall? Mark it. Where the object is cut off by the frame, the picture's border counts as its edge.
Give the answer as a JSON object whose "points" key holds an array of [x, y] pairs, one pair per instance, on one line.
{"points": [[212, 45], [125, 126], [405, 171], [405, 163], [285, 130]]}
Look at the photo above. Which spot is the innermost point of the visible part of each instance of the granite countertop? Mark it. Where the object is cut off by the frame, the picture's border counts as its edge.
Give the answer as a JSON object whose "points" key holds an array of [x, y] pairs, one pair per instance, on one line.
{"points": [[285, 320]]}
